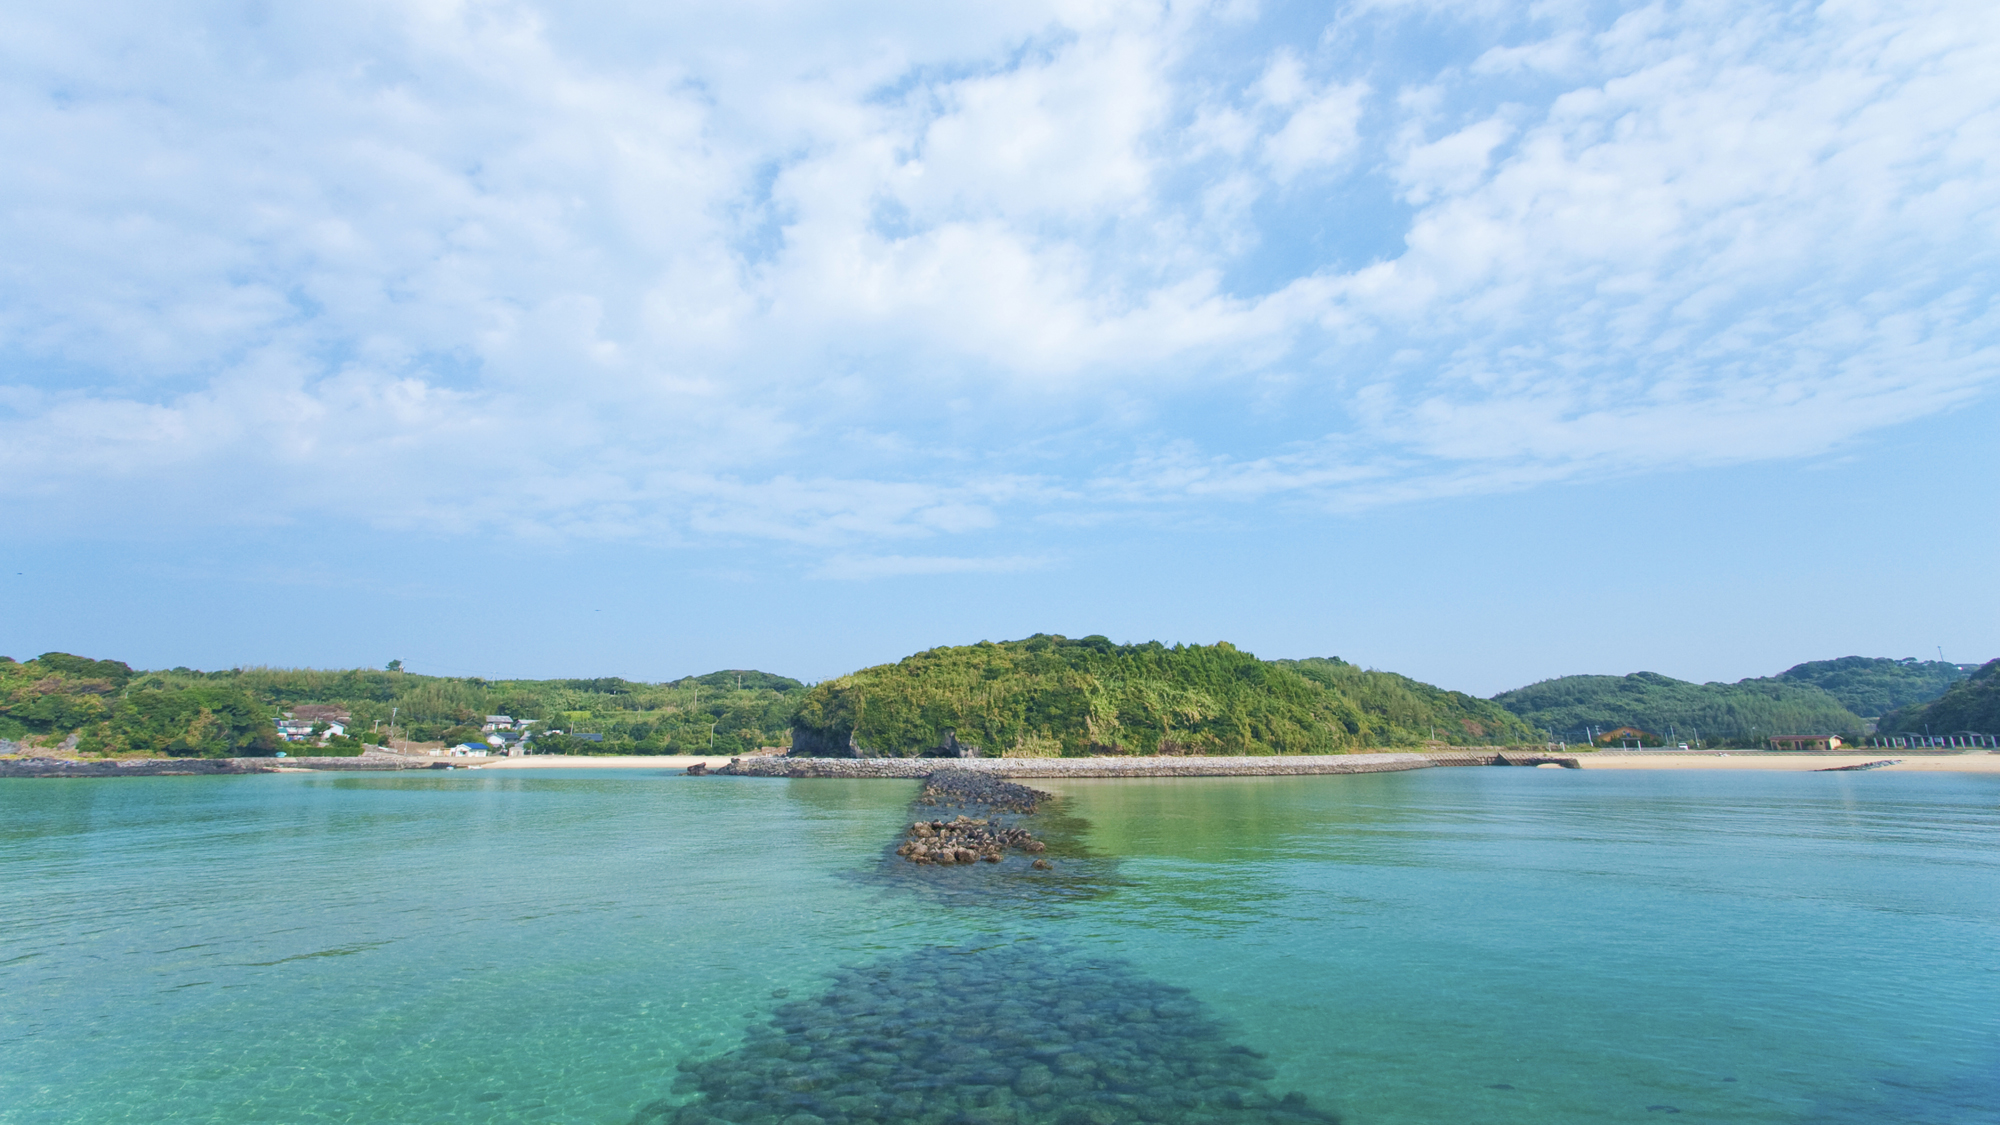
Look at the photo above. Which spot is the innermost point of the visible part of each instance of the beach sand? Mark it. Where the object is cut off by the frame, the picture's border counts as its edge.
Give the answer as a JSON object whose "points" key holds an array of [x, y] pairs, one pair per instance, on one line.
{"points": [[1973, 762]]}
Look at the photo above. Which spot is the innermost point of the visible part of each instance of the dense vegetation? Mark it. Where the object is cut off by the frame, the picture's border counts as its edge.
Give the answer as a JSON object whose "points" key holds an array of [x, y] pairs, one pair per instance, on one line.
{"points": [[1972, 704], [1872, 685], [1050, 696], [108, 707], [184, 712], [1744, 711], [1043, 696]]}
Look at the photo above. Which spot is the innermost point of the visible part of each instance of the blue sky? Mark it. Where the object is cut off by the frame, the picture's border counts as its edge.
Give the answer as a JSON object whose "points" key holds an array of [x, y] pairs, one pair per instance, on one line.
{"points": [[1477, 341]]}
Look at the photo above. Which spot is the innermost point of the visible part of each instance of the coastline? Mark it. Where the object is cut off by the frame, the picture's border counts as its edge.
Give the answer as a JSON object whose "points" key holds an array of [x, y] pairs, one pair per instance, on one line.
{"points": [[1905, 761], [1982, 762]]}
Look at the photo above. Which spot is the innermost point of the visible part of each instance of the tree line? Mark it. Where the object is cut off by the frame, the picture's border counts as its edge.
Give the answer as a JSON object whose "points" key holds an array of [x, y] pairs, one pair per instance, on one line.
{"points": [[1045, 695]]}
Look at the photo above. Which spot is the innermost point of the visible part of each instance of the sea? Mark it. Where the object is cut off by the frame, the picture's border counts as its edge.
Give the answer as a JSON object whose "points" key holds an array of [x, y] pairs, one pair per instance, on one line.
{"points": [[608, 946]]}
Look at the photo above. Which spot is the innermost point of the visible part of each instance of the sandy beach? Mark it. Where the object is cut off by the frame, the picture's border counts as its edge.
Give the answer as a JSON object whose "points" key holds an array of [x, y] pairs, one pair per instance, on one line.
{"points": [[1973, 762]]}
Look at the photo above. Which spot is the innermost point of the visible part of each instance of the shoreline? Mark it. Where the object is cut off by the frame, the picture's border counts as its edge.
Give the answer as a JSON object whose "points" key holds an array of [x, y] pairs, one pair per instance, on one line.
{"points": [[1979, 762], [1905, 761]]}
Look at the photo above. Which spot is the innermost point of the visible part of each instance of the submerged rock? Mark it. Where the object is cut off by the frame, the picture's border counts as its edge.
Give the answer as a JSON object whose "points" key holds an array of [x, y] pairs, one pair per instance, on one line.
{"points": [[1026, 1034]]}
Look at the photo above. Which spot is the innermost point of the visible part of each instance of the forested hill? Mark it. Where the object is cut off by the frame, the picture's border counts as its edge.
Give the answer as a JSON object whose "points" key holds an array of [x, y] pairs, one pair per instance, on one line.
{"points": [[1972, 704], [1052, 696], [110, 707], [1871, 686], [1661, 705]]}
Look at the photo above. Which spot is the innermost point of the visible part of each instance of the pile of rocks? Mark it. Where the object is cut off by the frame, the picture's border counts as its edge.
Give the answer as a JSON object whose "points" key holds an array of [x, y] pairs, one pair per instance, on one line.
{"points": [[951, 787], [966, 840], [112, 767], [1024, 1034]]}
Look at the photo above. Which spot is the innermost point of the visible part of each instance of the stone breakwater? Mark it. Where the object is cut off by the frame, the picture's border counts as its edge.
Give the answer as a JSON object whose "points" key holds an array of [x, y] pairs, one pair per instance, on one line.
{"points": [[1031, 1033], [966, 839], [973, 839], [183, 767], [949, 787], [913, 768], [365, 761], [1501, 758], [144, 767]]}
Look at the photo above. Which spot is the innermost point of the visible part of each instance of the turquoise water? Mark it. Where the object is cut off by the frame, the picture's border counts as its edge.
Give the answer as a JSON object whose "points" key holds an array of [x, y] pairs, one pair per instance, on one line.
{"points": [[1480, 945]]}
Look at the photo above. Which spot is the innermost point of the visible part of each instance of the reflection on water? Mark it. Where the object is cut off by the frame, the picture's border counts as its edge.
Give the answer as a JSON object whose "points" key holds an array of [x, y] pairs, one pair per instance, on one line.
{"points": [[1015, 1034]]}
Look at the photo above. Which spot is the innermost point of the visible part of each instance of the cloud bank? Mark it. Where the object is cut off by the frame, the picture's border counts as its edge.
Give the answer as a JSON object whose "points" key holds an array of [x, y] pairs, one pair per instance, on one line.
{"points": [[843, 277]]}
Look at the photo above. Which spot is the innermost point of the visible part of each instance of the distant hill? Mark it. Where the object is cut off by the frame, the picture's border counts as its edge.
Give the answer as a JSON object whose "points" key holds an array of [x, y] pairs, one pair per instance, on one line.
{"points": [[1973, 704], [1051, 695], [1874, 685], [110, 707], [1660, 704]]}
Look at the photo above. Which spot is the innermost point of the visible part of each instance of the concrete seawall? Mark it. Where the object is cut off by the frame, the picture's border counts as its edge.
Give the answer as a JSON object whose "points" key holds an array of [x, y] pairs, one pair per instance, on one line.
{"points": [[1078, 767]]}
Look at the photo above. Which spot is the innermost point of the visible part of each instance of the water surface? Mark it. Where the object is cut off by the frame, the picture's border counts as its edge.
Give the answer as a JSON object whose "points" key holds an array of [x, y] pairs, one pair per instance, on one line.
{"points": [[1449, 945]]}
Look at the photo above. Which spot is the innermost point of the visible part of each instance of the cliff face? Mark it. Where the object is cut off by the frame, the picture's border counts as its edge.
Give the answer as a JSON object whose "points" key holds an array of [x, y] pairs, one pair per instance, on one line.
{"points": [[809, 743]]}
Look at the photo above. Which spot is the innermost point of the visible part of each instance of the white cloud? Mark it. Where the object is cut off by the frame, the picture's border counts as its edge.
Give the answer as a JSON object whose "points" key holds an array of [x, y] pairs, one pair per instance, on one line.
{"points": [[1321, 121], [863, 567], [834, 276]]}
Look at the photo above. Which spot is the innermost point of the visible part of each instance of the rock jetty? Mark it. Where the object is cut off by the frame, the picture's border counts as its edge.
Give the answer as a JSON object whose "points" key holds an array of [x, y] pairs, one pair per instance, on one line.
{"points": [[966, 839], [971, 789], [142, 767], [972, 839], [1080, 767]]}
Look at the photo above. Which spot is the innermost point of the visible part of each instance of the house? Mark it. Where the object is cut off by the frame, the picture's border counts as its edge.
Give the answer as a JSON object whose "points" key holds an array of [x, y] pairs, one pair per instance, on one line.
{"points": [[303, 721], [498, 722], [1805, 742]]}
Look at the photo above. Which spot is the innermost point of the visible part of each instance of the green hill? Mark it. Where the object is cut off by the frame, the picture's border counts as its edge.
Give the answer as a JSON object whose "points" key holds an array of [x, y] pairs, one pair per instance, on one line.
{"points": [[1973, 704], [1052, 696], [1876, 685], [180, 711], [1660, 704]]}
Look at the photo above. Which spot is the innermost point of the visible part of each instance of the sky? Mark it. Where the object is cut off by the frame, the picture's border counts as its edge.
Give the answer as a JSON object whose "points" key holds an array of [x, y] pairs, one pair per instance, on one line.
{"points": [[1482, 342]]}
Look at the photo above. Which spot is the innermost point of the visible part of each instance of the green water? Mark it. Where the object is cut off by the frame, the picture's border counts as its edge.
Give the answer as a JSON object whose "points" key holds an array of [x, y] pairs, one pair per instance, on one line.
{"points": [[1480, 945]]}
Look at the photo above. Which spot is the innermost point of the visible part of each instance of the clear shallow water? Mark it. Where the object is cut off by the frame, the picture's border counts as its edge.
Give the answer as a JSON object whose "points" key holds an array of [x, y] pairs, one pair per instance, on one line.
{"points": [[1450, 945]]}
